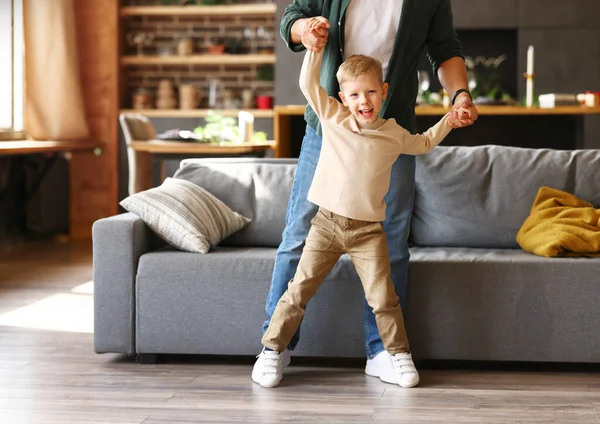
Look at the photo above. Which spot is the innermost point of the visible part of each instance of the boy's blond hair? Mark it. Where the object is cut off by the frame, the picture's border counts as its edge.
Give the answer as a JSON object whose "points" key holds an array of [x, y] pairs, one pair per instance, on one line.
{"points": [[357, 65]]}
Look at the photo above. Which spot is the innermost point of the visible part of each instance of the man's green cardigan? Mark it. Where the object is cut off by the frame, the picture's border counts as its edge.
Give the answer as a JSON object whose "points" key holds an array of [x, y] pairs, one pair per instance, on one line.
{"points": [[422, 23]]}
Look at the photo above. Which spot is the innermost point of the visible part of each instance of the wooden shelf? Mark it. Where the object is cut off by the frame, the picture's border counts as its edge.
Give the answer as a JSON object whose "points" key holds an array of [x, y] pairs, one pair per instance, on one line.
{"points": [[235, 9], [289, 110], [196, 113], [175, 147], [26, 147], [482, 110], [200, 59]]}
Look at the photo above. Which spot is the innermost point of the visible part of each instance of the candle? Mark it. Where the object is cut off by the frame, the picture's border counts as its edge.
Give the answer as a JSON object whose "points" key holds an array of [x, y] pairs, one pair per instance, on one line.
{"points": [[246, 125], [529, 88]]}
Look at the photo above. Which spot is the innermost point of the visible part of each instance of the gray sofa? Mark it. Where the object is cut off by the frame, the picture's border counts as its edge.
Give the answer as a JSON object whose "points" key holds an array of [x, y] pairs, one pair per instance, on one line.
{"points": [[472, 294]]}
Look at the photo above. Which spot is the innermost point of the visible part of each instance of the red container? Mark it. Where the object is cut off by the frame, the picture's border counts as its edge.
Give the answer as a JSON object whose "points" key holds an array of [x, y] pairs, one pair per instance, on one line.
{"points": [[264, 102]]}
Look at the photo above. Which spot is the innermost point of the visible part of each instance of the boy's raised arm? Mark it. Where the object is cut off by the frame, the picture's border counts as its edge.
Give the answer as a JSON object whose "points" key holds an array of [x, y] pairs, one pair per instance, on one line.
{"points": [[310, 84], [418, 144]]}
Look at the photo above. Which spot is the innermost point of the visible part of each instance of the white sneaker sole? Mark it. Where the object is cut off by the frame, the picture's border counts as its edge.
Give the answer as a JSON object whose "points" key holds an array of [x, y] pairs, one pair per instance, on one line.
{"points": [[265, 385], [412, 384]]}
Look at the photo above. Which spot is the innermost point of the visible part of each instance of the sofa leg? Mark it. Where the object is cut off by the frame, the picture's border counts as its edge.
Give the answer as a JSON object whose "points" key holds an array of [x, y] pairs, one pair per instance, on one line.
{"points": [[147, 358]]}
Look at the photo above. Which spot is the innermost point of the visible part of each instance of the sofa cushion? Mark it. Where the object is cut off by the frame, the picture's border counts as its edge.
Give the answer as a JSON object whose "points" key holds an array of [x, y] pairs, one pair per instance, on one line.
{"points": [[256, 188], [462, 303], [480, 196], [185, 215], [215, 303], [502, 305]]}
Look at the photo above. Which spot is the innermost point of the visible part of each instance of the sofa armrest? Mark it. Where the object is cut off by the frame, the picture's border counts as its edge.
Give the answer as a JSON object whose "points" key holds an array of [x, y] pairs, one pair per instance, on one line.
{"points": [[118, 243]]}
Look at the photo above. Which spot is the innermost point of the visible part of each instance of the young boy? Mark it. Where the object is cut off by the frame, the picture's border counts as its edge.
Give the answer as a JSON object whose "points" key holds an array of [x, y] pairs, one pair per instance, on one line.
{"points": [[350, 182]]}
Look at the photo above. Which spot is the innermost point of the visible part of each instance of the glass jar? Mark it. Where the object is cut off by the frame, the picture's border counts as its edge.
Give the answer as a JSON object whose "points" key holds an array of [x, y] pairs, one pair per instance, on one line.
{"points": [[142, 99]]}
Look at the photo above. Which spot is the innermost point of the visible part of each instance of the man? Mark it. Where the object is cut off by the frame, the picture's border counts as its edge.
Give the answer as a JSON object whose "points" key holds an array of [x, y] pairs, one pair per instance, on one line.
{"points": [[395, 32]]}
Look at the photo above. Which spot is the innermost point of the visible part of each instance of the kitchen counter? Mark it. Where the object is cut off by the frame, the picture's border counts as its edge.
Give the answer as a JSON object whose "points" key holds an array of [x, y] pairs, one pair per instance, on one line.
{"points": [[283, 116]]}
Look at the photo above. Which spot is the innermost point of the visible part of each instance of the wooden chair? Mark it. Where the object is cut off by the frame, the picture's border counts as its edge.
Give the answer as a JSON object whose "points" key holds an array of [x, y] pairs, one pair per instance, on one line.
{"points": [[139, 128]]}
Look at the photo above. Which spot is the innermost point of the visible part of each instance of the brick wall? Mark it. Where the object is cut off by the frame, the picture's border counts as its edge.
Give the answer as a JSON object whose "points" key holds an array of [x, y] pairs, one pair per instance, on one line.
{"points": [[256, 33]]}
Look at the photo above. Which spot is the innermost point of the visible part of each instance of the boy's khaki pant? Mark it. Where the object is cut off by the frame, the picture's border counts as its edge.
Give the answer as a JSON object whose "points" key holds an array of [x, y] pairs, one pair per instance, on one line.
{"points": [[330, 236]]}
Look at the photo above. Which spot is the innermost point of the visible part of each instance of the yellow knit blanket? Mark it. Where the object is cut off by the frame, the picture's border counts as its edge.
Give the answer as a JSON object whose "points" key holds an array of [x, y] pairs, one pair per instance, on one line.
{"points": [[560, 224]]}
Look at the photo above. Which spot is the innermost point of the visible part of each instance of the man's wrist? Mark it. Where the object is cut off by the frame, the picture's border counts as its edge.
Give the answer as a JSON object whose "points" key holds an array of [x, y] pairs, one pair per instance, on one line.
{"points": [[296, 31], [461, 92]]}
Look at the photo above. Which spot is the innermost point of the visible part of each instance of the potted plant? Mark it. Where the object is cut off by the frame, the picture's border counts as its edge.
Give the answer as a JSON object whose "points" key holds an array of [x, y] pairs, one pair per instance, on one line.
{"points": [[223, 129], [485, 80], [233, 45], [265, 73], [216, 45]]}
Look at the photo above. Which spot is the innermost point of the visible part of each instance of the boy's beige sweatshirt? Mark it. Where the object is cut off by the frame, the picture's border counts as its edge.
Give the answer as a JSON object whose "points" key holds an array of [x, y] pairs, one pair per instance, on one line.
{"points": [[353, 171]]}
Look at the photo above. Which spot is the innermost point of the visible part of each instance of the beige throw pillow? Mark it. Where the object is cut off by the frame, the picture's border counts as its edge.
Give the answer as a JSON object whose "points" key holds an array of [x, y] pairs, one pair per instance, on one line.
{"points": [[185, 215]]}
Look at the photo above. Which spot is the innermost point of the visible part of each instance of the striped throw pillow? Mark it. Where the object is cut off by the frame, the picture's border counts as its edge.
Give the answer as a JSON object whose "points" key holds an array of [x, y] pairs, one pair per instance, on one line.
{"points": [[185, 215]]}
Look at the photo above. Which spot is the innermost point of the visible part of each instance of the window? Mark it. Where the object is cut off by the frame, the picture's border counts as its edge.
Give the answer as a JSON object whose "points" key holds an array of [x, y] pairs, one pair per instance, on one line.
{"points": [[11, 76]]}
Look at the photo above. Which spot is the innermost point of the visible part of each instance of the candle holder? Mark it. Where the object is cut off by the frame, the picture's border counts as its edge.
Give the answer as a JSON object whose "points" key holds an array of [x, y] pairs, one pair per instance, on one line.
{"points": [[529, 88]]}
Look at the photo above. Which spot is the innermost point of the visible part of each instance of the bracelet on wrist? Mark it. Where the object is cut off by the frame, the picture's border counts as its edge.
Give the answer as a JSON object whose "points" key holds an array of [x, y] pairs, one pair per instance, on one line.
{"points": [[457, 92]]}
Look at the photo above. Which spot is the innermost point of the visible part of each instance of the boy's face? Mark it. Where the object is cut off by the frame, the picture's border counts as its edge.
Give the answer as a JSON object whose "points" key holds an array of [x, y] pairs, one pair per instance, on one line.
{"points": [[364, 97]]}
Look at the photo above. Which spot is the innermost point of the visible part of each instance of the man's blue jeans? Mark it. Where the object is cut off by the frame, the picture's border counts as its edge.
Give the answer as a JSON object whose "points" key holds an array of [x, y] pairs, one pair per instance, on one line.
{"points": [[300, 212]]}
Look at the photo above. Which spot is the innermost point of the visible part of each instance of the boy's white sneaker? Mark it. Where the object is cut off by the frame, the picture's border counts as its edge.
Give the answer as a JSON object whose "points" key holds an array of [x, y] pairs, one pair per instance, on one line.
{"points": [[406, 372], [382, 367], [268, 368]]}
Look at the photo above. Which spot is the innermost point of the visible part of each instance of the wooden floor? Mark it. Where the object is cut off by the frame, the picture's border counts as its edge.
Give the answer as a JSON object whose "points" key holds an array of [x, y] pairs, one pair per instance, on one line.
{"points": [[49, 373]]}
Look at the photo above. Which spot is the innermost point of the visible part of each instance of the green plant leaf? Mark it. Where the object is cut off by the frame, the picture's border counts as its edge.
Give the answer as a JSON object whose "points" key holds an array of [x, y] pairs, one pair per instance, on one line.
{"points": [[265, 73], [259, 137]]}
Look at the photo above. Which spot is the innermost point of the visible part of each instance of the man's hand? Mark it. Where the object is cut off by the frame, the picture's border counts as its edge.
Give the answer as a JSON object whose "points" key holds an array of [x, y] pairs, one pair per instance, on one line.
{"points": [[464, 112], [314, 33]]}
